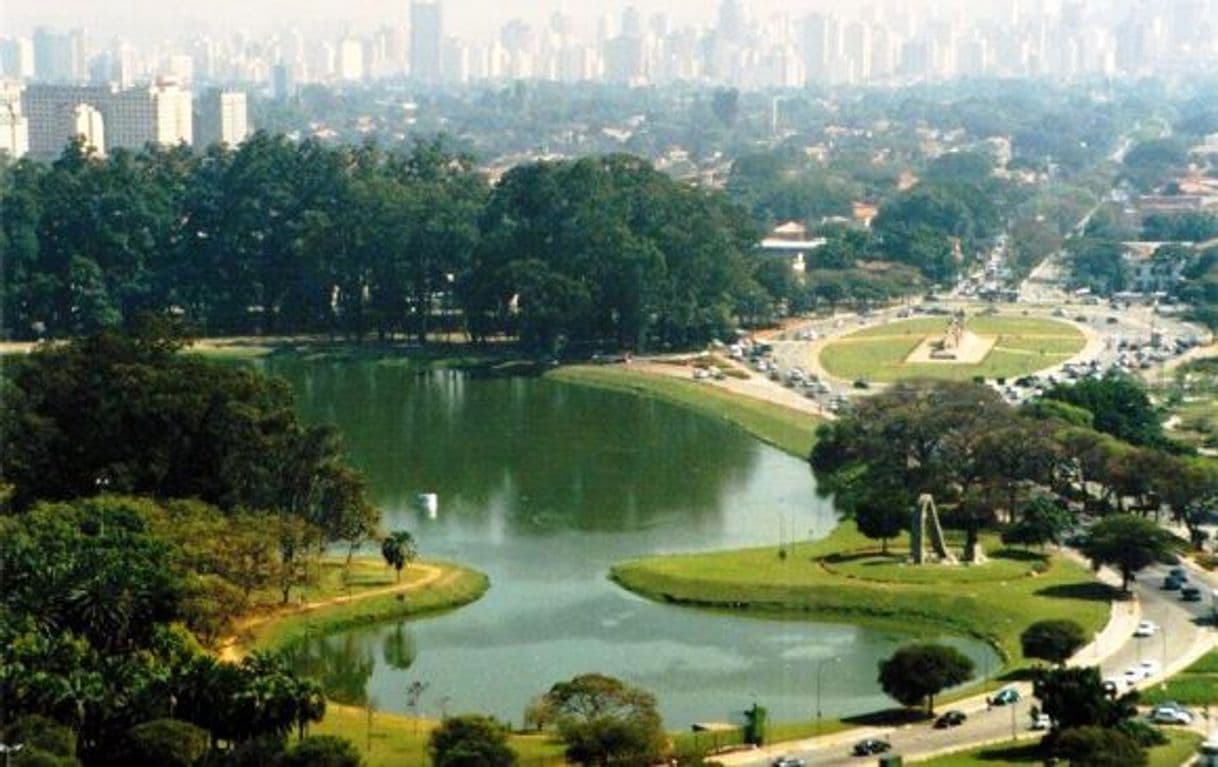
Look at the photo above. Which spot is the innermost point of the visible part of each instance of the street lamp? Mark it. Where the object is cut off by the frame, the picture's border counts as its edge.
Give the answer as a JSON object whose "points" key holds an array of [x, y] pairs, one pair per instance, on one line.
{"points": [[820, 667], [7, 749]]}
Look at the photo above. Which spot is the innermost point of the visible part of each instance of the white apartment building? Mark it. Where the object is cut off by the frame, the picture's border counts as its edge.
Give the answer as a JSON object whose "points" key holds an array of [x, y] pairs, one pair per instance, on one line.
{"points": [[129, 118]]}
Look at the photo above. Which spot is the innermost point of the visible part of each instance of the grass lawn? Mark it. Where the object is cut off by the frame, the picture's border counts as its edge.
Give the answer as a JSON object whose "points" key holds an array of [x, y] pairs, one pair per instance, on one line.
{"points": [[1024, 345], [844, 577], [789, 430], [1182, 746], [455, 586], [401, 741], [1197, 685]]}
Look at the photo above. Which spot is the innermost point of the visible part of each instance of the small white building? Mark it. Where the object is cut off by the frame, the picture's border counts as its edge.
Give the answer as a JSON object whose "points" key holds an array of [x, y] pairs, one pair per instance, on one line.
{"points": [[791, 241]]}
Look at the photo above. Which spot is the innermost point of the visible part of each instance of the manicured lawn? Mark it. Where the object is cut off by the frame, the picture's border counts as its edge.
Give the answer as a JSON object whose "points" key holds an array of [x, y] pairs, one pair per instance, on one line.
{"points": [[1175, 753], [1197, 685], [789, 430], [400, 741], [843, 578], [1024, 345]]}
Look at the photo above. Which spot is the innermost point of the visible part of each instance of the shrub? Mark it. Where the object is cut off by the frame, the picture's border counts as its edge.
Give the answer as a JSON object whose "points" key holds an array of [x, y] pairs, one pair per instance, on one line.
{"points": [[167, 743], [322, 751]]}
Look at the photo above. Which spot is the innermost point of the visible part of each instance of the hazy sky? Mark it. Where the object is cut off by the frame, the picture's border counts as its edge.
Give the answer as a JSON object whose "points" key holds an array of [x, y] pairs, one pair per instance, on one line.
{"points": [[143, 19]]}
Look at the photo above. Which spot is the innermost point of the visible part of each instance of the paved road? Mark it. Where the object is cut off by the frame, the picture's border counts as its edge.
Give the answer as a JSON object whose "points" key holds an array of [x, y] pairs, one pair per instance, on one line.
{"points": [[1181, 639]]}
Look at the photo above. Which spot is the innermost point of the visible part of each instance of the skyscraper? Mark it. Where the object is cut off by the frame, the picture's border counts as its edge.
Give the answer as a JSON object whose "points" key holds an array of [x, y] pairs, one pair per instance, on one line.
{"points": [[426, 37], [221, 118]]}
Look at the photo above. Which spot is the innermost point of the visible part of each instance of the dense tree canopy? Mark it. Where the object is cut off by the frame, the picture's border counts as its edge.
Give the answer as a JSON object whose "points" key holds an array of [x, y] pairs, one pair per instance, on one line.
{"points": [[223, 434], [282, 237], [1128, 543], [470, 741]]}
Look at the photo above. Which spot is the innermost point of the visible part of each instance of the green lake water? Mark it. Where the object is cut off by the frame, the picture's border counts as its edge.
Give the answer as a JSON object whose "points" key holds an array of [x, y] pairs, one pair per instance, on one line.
{"points": [[543, 486]]}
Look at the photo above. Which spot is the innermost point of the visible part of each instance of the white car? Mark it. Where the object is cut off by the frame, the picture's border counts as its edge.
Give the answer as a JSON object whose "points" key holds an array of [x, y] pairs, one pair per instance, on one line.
{"points": [[1169, 714], [1042, 722], [1149, 668], [1146, 629]]}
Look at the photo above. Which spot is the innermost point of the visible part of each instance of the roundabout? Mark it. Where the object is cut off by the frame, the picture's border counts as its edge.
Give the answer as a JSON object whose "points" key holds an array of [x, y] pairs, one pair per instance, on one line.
{"points": [[944, 348]]}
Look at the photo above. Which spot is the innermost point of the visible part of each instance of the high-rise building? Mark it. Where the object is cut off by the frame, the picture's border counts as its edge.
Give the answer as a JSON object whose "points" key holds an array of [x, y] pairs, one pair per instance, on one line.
{"points": [[283, 84], [221, 118], [17, 58], [130, 118], [426, 40], [351, 59], [59, 57]]}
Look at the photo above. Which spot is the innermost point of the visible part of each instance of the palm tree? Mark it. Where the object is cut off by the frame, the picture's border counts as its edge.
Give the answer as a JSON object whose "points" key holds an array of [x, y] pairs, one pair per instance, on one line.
{"points": [[399, 550]]}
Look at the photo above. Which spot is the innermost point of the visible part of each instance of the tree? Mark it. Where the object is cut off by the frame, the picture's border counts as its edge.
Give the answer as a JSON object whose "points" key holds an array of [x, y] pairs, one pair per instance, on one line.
{"points": [[1099, 747], [1052, 640], [398, 550], [917, 673], [1128, 543], [604, 721], [1075, 697], [225, 435], [1041, 521], [1119, 406], [883, 513], [322, 751], [168, 742], [472, 740]]}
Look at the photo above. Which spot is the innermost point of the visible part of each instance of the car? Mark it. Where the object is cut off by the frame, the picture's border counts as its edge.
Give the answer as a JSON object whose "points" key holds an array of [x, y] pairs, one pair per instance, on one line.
{"points": [[1170, 714], [1004, 697], [1112, 685], [1149, 668], [870, 746], [1190, 594], [1146, 629], [1133, 675], [1179, 573], [1042, 722], [1171, 583], [788, 761], [952, 718]]}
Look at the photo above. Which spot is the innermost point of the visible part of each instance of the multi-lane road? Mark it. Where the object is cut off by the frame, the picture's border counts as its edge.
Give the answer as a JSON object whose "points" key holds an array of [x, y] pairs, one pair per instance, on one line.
{"points": [[1183, 635]]}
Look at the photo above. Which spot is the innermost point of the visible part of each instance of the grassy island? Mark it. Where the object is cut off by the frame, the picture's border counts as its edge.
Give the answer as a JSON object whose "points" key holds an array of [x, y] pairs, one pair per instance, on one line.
{"points": [[1014, 346], [846, 577], [369, 594]]}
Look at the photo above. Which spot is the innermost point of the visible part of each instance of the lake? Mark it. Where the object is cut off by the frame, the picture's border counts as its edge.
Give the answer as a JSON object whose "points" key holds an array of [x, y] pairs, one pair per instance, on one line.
{"points": [[543, 486]]}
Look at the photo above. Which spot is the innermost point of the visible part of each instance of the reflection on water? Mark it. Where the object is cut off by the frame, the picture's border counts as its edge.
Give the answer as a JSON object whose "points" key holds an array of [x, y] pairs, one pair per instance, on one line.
{"points": [[543, 487]]}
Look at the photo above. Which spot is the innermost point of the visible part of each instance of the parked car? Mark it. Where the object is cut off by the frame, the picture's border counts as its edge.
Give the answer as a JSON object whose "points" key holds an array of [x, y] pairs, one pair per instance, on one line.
{"points": [[788, 761], [870, 746], [1170, 714], [1004, 697], [1146, 629], [1172, 583], [1190, 594], [953, 718]]}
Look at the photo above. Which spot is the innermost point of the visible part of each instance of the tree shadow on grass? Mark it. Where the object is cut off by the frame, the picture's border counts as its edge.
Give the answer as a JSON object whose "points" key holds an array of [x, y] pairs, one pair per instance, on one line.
{"points": [[1024, 754], [845, 557], [889, 717], [1089, 592]]}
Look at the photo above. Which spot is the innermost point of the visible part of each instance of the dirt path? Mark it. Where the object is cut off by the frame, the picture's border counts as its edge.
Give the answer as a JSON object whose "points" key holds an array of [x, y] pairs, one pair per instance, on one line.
{"points": [[233, 650]]}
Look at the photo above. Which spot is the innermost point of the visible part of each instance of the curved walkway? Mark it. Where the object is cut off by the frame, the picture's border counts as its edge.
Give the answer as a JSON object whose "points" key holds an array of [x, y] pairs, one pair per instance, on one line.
{"points": [[232, 648]]}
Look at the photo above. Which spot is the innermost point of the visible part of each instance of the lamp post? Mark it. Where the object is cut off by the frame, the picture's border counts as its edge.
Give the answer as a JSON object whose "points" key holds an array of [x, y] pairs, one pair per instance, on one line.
{"points": [[7, 749], [820, 667]]}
